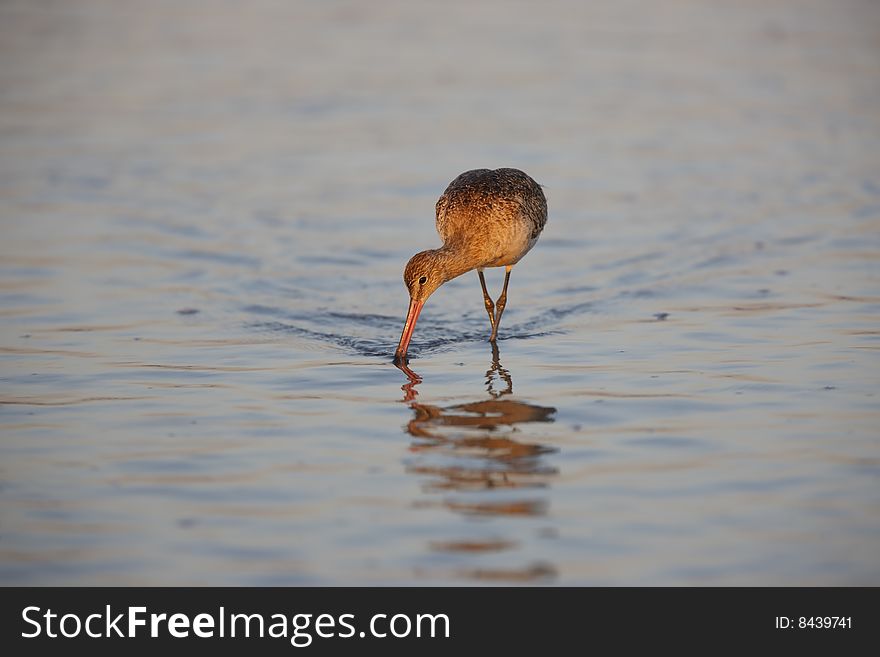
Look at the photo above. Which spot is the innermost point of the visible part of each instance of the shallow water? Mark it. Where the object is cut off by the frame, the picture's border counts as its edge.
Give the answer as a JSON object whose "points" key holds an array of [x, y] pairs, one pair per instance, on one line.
{"points": [[205, 217]]}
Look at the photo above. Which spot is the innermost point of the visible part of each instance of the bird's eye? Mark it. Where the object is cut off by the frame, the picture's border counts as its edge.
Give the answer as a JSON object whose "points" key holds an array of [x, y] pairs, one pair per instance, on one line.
{"points": [[423, 280]]}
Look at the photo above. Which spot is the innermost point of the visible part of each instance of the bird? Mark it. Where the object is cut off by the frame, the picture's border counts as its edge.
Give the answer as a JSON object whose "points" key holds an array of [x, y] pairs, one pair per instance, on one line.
{"points": [[486, 218]]}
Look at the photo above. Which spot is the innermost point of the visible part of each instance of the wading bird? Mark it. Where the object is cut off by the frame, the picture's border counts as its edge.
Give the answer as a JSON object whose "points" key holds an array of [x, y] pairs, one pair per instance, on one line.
{"points": [[486, 218]]}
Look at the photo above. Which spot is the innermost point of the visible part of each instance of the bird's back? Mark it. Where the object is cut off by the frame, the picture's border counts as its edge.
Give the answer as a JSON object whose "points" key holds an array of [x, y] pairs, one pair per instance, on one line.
{"points": [[491, 203]]}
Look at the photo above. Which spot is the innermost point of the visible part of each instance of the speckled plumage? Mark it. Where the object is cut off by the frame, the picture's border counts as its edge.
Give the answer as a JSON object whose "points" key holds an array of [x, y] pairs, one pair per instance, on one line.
{"points": [[486, 218], [499, 214]]}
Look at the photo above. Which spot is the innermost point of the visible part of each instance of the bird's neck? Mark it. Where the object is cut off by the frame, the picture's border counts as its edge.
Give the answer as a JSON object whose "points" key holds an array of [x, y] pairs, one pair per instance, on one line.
{"points": [[453, 260]]}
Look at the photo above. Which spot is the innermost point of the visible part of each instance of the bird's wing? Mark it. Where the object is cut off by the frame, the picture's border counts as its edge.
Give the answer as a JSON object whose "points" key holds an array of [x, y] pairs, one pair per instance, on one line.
{"points": [[440, 208]]}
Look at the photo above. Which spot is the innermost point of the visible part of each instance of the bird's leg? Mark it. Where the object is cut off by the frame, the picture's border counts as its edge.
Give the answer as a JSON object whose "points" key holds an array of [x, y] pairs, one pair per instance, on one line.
{"points": [[490, 307], [499, 305]]}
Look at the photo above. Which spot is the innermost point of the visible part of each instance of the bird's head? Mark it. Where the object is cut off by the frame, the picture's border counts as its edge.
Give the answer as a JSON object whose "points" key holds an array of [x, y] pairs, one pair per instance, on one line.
{"points": [[424, 273]]}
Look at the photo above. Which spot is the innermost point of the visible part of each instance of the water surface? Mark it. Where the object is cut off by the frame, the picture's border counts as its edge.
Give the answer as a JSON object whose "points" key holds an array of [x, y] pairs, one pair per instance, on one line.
{"points": [[206, 211]]}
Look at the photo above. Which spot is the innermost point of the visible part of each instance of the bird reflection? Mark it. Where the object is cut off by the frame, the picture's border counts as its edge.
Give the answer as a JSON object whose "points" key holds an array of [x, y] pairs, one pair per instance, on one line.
{"points": [[498, 372], [477, 446], [478, 459]]}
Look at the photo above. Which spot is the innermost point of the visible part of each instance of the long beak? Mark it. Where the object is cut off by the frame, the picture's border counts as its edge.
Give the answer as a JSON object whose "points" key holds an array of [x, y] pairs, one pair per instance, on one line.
{"points": [[415, 307]]}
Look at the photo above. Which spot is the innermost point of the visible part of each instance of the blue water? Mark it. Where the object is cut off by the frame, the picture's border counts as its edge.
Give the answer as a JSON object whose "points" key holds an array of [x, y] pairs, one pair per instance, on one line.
{"points": [[206, 213]]}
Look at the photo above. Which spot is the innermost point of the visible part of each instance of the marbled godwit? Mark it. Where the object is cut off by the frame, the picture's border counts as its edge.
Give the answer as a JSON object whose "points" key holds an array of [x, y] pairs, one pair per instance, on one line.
{"points": [[486, 219]]}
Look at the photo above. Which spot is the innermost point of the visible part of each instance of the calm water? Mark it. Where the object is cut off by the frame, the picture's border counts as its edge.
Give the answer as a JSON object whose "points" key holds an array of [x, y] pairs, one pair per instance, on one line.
{"points": [[206, 210]]}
